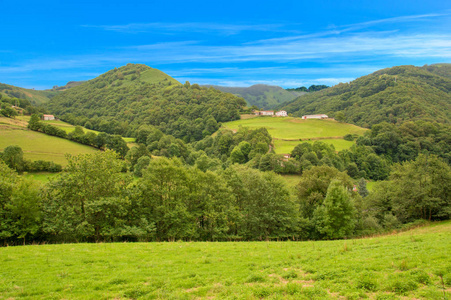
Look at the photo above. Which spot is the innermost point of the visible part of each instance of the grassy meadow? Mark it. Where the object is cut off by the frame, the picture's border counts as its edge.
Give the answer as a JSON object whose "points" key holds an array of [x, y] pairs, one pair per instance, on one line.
{"points": [[39, 146], [411, 265], [288, 131]]}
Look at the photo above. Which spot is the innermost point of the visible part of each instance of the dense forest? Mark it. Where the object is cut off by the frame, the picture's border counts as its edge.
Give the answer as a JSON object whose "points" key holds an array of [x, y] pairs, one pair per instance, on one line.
{"points": [[121, 100], [95, 200], [394, 95]]}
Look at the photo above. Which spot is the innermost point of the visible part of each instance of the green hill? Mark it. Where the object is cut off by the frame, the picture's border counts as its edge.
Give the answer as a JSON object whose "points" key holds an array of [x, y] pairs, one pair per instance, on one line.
{"points": [[34, 96], [122, 100], [261, 95], [393, 95]]}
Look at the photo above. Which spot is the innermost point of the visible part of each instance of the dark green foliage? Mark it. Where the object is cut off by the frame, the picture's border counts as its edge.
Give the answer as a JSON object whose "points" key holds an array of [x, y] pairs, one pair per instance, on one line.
{"points": [[116, 104], [405, 142], [394, 95], [361, 188], [312, 188], [88, 201], [316, 154], [13, 157], [312, 88], [8, 112], [334, 219], [19, 206]]}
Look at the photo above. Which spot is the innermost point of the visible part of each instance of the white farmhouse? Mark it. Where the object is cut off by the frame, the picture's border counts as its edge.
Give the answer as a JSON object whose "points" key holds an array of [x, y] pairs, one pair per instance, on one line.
{"points": [[282, 113], [48, 117], [315, 117]]}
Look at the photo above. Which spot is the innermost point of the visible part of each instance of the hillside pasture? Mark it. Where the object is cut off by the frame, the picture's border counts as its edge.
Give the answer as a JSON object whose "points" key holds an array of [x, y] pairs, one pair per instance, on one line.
{"points": [[410, 265], [39, 146], [281, 146], [287, 132]]}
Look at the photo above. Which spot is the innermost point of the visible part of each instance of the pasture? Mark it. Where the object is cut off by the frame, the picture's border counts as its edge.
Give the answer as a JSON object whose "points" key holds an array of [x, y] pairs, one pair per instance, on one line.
{"points": [[411, 265], [287, 132], [39, 146]]}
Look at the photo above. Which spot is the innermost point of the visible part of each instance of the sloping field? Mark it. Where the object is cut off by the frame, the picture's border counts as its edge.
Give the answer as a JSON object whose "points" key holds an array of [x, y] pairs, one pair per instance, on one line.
{"points": [[39, 146], [288, 131], [410, 265]]}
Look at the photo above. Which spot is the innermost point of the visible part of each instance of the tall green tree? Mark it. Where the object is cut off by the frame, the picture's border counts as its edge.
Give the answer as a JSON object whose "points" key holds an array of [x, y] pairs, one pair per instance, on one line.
{"points": [[335, 217]]}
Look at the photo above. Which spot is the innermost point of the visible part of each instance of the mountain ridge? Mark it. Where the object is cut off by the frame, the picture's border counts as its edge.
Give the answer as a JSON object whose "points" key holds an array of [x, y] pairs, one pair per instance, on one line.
{"points": [[393, 95]]}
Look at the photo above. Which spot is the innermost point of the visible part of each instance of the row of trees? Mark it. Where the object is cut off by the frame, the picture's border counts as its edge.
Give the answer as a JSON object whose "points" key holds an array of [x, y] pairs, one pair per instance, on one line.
{"points": [[102, 140], [12, 156], [94, 200]]}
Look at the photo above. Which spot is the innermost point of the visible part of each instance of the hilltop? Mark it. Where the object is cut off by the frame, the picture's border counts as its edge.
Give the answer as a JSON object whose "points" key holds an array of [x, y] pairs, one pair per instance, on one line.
{"points": [[121, 100], [261, 95], [393, 95]]}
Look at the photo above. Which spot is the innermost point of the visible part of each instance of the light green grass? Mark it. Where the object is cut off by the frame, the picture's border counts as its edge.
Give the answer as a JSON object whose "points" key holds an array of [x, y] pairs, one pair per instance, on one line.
{"points": [[293, 129], [67, 127], [401, 266], [42, 177], [296, 128], [288, 146], [155, 76], [39, 146], [292, 180]]}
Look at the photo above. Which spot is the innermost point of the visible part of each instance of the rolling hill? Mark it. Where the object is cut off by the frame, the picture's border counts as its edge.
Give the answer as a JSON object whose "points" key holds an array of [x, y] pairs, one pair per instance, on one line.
{"points": [[36, 97], [261, 95], [37, 145], [121, 100], [393, 95]]}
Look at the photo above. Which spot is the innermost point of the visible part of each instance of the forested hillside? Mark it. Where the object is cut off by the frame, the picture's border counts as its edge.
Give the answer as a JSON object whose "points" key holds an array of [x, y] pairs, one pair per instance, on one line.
{"points": [[123, 99], [34, 96], [262, 95], [393, 95]]}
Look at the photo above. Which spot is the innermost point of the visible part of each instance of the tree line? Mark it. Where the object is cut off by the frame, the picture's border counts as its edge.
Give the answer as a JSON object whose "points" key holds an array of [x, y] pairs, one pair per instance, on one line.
{"points": [[94, 199], [101, 141]]}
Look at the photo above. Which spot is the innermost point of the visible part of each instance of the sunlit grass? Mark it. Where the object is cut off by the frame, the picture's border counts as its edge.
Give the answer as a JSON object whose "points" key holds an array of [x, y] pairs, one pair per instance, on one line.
{"points": [[410, 265], [296, 128], [39, 146]]}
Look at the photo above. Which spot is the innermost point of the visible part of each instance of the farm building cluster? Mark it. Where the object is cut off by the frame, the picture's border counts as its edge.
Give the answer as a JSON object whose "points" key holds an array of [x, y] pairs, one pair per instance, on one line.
{"points": [[281, 113]]}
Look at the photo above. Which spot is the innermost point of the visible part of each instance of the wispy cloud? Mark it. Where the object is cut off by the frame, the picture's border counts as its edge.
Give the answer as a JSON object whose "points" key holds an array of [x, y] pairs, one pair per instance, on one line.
{"points": [[228, 29]]}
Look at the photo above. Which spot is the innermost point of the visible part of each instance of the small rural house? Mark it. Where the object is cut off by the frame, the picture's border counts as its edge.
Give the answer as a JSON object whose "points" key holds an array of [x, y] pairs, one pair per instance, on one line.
{"points": [[282, 113], [48, 117], [315, 117]]}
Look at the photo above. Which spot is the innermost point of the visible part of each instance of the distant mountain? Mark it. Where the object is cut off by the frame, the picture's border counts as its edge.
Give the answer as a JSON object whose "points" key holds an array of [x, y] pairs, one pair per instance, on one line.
{"points": [[122, 100], [394, 95], [36, 97], [261, 95]]}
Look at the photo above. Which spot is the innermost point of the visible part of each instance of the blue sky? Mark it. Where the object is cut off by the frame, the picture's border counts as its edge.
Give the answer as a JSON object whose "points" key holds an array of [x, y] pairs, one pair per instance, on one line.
{"points": [[232, 43]]}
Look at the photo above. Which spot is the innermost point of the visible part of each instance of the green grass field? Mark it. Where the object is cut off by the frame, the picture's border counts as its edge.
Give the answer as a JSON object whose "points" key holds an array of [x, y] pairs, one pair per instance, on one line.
{"points": [[281, 146], [293, 129], [41, 177], [39, 146], [410, 265]]}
